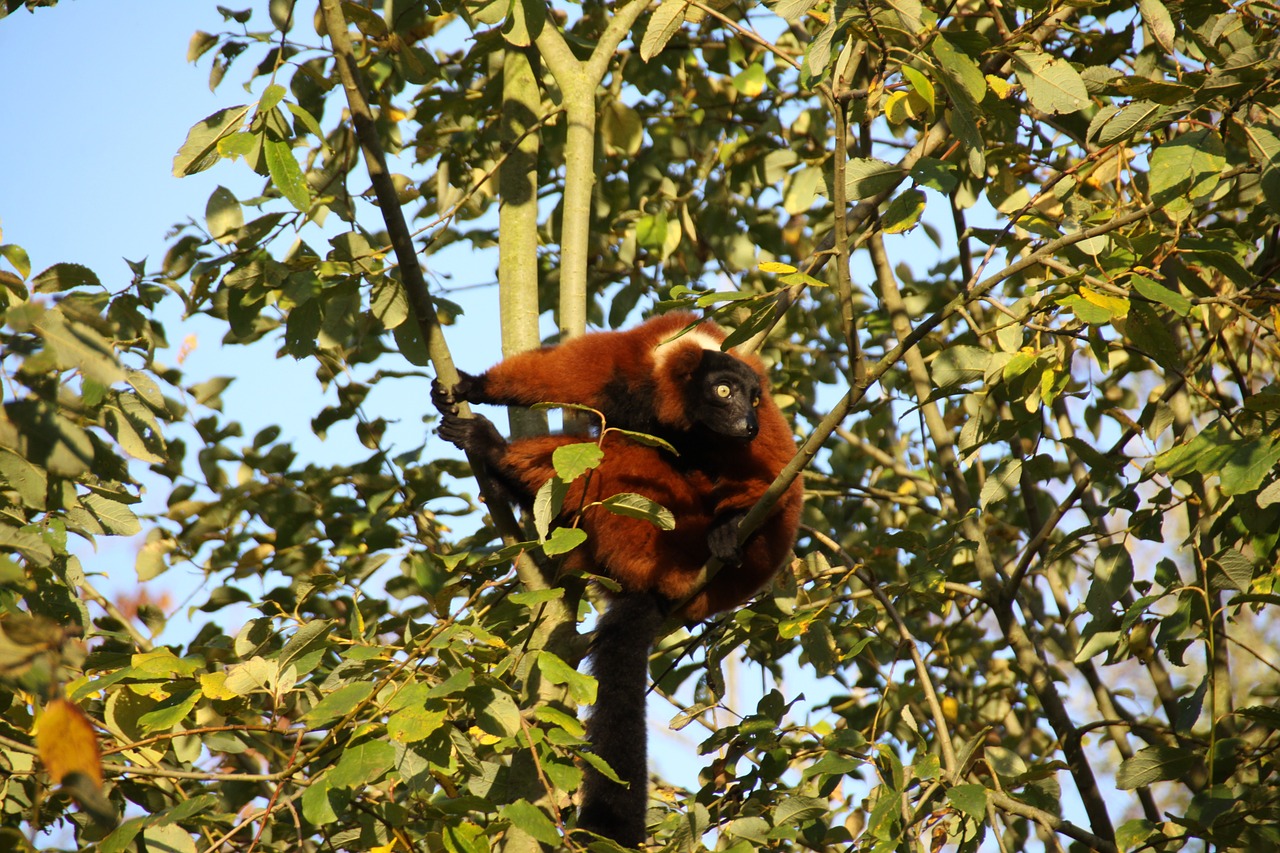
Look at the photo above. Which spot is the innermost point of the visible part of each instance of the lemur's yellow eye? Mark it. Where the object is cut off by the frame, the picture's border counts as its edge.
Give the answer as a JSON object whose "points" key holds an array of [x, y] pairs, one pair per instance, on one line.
{"points": [[755, 402], [723, 391]]}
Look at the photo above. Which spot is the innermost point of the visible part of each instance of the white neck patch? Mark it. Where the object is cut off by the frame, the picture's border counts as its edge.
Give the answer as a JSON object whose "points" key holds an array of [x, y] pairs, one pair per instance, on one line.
{"points": [[698, 337]]}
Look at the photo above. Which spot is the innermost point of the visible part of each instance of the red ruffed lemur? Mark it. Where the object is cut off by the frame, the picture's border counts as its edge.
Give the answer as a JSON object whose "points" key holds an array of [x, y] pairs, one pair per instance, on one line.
{"points": [[714, 408]]}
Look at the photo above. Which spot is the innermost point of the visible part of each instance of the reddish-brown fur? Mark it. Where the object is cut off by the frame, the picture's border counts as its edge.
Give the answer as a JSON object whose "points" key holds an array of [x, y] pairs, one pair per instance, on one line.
{"points": [[580, 370], [729, 477], [639, 555]]}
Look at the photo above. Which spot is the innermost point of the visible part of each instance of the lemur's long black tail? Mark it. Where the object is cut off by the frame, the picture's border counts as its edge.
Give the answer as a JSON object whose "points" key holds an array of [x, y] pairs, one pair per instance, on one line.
{"points": [[616, 727]]}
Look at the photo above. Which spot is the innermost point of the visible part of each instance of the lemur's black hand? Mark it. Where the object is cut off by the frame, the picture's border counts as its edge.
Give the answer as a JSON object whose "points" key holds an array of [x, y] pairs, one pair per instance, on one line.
{"points": [[722, 539]]}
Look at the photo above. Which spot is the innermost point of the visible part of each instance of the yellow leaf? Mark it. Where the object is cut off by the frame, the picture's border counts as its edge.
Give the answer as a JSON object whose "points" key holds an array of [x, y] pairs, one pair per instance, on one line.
{"points": [[1118, 306], [775, 267], [481, 736], [67, 743], [214, 685], [1000, 86]]}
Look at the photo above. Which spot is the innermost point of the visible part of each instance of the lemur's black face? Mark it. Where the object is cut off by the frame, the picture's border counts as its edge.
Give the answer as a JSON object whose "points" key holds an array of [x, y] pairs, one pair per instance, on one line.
{"points": [[723, 396]]}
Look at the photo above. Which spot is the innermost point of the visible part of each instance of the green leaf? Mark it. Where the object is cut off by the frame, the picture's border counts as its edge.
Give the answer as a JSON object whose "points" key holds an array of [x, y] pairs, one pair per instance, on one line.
{"points": [[798, 809], [904, 212], [200, 44], [286, 175], [1112, 579], [524, 21], [1236, 568], [200, 150], [25, 542], [581, 687], [802, 190], [64, 276], [410, 725], [1264, 148], [163, 663], [368, 22], [308, 121], [255, 674], [960, 68], [571, 461], [170, 711], [637, 506], [1132, 834], [168, 838], [959, 365], [1088, 312], [321, 803], [29, 482], [1154, 764], [38, 434], [79, 347], [1130, 120], [751, 81], [909, 12], [1157, 292], [465, 837], [1158, 22], [151, 561], [817, 55], [451, 686], [1148, 332], [547, 503], [339, 703], [410, 344], [122, 428], [965, 85], [970, 799], [556, 717], [147, 389], [1188, 167], [651, 231], [867, 176], [534, 597], [663, 24], [754, 830], [1000, 483], [1205, 453], [921, 85], [17, 256], [1249, 463], [792, 10], [935, 175], [310, 636], [495, 711], [271, 96], [563, 540], [532, 820], [122, 838], [116, 518], [1052, 85], [363, 764], [390, 303], [240, 144], [222, 214]]}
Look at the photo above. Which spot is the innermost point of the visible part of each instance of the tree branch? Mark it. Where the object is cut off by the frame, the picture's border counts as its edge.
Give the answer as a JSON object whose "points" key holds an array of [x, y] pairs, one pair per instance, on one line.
{"points": [[415, 284]]}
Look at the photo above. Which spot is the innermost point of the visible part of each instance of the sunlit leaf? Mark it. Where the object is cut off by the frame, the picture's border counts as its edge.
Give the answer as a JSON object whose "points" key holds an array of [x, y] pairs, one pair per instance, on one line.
{"points": [[286, 175], [200, 150], [67, 743]]}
